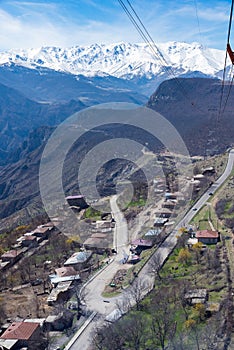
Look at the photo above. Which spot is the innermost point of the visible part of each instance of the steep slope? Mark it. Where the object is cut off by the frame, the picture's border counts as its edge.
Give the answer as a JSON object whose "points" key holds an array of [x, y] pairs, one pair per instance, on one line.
{"points": [[64, 95], [192, 106], [47, 85], [20, 115], [19, 181]]}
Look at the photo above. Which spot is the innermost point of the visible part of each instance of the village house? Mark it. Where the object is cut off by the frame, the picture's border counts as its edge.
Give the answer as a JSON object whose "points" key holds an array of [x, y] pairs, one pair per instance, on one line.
{"points": [[169, 204], [198, 177], [103, 226], [138, 245], [164, 213], [12, 256], [65, 271], [207, 236], [49, 224], [60, 322], [170, 196], [79, 260], [77, 201], [97, 244], [23, 334], [56, 280], [152, 232], [191, 242], [160, 222], [29, 241], [61, 293], [208, 171], [196, 296], [133, 259], [42, 232]]}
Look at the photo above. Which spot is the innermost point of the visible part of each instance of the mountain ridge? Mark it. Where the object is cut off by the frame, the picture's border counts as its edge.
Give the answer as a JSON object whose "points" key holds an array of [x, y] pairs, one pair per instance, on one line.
{"points": [[121, 60]]}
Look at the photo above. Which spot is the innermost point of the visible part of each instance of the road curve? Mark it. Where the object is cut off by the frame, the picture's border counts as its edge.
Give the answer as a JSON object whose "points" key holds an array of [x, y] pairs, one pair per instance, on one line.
{"points": [[94, 299]]}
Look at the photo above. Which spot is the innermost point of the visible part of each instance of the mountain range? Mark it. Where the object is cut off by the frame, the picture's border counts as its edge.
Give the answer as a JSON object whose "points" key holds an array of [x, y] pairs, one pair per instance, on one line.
{"points": [[195, 116], [129, 62], [41, 88]]}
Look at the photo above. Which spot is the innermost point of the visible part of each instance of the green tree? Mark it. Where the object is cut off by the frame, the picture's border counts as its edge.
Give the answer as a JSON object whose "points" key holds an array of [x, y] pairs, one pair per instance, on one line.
{"points": [[184, 256], [197, 249]]}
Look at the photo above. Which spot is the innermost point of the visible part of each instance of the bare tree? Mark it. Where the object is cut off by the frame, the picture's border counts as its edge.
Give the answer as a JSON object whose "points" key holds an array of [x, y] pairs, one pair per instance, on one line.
{"points": [[137, 291], [133, 329], [155, 264], [163, 325], [127, 334], [109, 337]]}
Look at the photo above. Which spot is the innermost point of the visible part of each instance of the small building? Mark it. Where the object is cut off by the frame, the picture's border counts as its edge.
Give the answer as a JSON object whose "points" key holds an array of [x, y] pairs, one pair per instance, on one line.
{"points": [[9, 344], [198, 177], [98, 245], [208, 171], [196, 296], [42, 232], [12, 256], [160, 222], [191, 241], [103, 226], [61, 293], [155, 232], [164, 213], [59, 322], [77, 201], [134, 259], [138, 245], [169, 195], [169, 204], [29, 241], [49, 224], [65, 271], [207, 236], [55, 280], [27, 334], [79, 260]]}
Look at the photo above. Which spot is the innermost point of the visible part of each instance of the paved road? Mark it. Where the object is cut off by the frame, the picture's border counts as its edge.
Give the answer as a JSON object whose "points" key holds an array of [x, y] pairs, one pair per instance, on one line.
{"points": [[199, 204], [95, 288]]}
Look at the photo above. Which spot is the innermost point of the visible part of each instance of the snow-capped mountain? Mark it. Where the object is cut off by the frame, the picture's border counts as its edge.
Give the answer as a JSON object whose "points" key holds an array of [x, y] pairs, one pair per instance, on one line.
{"points": [[122, 60]]}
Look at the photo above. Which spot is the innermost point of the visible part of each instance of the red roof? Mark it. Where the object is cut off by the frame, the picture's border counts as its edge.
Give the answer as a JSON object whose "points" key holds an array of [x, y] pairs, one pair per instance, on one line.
{"points": [[20, 330], [207, 234]]}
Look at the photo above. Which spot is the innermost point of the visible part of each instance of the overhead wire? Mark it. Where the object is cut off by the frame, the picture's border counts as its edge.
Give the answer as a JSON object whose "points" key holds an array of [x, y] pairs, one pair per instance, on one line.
{"points": [[229, 91], [139, 25], [221, 111], [157, 52], [198, 21]]}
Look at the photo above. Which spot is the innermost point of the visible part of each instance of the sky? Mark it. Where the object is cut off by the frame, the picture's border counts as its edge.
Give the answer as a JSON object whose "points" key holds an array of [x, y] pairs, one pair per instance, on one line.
{"points": [[66, 23]]}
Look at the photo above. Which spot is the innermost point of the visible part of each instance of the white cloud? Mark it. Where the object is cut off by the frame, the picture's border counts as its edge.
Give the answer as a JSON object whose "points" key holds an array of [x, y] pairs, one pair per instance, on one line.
{"points": [[34, 24]]}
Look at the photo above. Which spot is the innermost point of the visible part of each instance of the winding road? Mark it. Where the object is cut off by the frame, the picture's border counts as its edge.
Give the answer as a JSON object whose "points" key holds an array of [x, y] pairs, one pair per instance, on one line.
{"points": [[94, 289]]}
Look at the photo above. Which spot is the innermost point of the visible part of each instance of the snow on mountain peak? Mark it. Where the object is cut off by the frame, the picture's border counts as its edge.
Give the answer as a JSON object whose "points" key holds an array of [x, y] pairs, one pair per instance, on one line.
{"points": [[122, 60]]}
